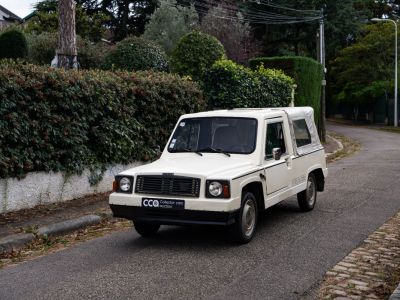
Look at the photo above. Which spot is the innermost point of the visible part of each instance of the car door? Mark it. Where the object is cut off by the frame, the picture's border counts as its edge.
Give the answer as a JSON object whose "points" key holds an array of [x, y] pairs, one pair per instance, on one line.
{"points": [[277, 172]]}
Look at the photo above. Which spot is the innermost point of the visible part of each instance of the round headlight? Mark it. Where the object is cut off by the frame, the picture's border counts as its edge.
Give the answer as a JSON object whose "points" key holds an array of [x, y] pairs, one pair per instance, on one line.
{"points": [[215, 188], [124, 184]]}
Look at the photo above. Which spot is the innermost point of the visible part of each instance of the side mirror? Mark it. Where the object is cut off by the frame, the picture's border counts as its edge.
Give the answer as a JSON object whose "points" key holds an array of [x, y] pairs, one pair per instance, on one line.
{"points": [[276, 153]]}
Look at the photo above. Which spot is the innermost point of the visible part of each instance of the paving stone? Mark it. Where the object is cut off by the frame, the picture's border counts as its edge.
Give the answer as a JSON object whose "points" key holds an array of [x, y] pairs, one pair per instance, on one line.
{"points": [[338, 292], [347, 265], [331, 273], [339, 268], [362, 288]]}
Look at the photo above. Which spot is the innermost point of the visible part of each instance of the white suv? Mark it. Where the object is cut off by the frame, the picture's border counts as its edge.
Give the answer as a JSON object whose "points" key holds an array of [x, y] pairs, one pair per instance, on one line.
{"points": [[223, 168]]}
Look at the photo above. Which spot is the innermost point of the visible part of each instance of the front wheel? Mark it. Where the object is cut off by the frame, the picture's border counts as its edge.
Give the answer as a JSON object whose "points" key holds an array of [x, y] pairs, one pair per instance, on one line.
{"points": [[245, 226], [308, 197], [146, 229]]}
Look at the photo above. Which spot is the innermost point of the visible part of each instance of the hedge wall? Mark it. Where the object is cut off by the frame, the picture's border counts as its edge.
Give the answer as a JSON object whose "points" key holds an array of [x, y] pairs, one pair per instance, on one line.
{"points": [[55, 120], [229, 85], [306, 72]]}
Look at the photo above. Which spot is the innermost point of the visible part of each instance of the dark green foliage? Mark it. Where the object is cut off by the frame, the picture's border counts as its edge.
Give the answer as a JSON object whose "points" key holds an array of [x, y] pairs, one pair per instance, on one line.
{"points": [[136, 54], [42, 49], [13, 45], [307, 74], [195, 53], [228, 85], [55, 120]]}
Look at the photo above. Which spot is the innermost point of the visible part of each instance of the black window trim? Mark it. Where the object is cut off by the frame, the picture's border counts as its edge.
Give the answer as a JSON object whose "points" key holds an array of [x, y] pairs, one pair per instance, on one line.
{"points": [[308, 130], [275, 120], [220, 117]]}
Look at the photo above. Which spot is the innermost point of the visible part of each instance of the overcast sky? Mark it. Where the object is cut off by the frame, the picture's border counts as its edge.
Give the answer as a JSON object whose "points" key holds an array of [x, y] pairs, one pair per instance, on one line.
{"points": [[21, 8]]}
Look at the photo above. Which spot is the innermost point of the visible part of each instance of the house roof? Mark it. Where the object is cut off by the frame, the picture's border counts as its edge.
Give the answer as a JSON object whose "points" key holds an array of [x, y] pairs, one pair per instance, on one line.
{"points": [[11, 16]]}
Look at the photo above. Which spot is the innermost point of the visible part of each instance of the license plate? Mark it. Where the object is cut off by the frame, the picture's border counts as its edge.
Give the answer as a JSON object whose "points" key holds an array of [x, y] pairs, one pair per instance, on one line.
{"points": [[163, 203]]}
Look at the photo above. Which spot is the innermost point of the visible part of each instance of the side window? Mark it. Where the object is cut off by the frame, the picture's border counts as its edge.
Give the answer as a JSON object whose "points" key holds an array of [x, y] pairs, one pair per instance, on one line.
{"points": [[275, 139], [301, 133]]}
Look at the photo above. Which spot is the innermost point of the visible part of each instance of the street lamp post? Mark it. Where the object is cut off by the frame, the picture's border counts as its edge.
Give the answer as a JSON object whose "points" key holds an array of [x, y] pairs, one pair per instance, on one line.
{"points": [[395, 76]]}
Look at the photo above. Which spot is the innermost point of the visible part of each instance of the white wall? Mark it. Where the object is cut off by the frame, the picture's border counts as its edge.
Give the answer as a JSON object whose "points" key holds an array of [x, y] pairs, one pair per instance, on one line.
{"points": [[41, 188]]}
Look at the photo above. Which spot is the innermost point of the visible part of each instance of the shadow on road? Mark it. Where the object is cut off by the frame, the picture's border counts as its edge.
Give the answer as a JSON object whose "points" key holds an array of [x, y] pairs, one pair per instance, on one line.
{"points": [[215, 236]]}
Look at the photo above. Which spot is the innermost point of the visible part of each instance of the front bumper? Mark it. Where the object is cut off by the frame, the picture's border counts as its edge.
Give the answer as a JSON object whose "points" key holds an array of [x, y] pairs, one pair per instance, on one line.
{"points": [[173, 217]]}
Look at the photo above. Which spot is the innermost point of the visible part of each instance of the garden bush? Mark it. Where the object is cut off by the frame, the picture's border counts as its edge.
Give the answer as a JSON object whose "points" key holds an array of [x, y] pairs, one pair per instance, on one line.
{"points": [[307, 74], [13, 44], [42, 49], [228, 85], [136, 54], [195, 53], [56, 120]]}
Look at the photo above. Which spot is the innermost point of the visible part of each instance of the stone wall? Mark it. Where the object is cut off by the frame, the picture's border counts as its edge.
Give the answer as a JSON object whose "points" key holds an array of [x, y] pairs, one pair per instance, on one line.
{"points": [[41, 187]]}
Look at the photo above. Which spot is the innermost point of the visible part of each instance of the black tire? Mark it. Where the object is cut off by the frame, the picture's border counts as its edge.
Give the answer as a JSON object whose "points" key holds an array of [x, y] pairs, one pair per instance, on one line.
{"points": [[246, 222], [146, 229], [308, 197]]}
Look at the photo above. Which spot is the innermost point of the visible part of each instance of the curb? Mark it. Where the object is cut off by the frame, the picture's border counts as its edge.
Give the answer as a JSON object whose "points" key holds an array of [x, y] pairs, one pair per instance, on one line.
{"points": [[339, 143], [17, 241], [69, 225], [396, 294]]}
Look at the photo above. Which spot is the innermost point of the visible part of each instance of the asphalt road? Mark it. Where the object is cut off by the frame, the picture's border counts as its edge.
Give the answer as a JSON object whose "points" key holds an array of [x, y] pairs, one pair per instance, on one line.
{"points": [[286, 260]]}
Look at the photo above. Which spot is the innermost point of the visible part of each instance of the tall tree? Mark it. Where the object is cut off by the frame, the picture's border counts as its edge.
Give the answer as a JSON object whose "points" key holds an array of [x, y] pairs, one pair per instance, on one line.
{"points": [[364, 71], [227, 24], [125, 16], [89, 26], [66, 53], [169, 23]]}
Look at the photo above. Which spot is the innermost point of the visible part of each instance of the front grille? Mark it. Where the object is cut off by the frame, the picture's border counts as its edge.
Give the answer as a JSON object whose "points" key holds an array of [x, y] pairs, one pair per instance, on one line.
{"points": [[168, 185]]}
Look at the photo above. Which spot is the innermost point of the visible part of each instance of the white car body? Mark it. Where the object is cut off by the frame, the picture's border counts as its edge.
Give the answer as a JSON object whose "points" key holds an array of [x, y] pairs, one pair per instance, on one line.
{"points": [[271, 180]]}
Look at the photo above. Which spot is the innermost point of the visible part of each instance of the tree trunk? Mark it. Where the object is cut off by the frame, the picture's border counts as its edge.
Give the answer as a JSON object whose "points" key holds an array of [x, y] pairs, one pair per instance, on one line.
{"points": [[66, 53]]}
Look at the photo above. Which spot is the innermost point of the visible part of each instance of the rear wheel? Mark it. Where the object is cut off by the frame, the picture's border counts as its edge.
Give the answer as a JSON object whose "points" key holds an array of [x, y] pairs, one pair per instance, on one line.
{"points": [[308, 197], [245, 226], [146, 229]]}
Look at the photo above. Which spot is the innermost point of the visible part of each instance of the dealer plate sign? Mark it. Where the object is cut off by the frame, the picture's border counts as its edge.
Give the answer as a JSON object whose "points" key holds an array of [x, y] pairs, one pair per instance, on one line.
{"points": [[163, 203]]}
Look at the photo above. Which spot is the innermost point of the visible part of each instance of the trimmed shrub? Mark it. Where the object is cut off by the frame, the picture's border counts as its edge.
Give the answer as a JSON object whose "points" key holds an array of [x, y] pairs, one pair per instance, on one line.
{"points": [[229, 85], [13, 44], [55, 120], [195, 53], [307, 74], [42, 49], [136, 54]]}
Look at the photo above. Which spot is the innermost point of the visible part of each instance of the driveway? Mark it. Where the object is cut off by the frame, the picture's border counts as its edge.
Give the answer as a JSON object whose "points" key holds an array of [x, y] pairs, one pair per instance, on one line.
{"points": [[286, 260]]}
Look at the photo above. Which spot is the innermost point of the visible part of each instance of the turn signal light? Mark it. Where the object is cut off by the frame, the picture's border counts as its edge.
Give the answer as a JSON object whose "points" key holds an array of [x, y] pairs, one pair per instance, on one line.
{"points": [[115, 186], [226, 192]]}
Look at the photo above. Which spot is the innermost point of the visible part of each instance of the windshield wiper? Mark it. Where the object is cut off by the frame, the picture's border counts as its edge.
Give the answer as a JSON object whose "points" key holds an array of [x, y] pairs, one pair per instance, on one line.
{"points": [[210, 149], [188, 150]]}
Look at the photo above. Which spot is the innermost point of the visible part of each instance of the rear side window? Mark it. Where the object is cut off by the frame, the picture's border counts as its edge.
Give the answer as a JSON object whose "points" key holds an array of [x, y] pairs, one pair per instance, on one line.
{"points": [[301, 133]]}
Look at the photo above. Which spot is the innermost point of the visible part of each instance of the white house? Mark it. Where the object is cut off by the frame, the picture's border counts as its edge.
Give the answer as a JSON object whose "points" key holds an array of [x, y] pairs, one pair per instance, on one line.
{"points": [[7, 17]]}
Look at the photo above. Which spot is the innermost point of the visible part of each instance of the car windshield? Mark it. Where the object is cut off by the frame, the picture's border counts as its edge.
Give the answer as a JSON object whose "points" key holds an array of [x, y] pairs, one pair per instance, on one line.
{"points": [[215, 134]]}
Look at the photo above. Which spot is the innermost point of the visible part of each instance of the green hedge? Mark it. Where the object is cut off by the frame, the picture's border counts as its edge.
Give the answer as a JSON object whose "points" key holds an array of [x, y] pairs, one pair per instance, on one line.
{"points": [[195, 53], [306, 72], [136, 54], [55, 120], [13, 44], [228, 85]]}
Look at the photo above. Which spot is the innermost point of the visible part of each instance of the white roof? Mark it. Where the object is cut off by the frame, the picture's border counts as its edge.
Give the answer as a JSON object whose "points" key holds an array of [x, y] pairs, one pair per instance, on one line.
{"points": [[293, 112]]}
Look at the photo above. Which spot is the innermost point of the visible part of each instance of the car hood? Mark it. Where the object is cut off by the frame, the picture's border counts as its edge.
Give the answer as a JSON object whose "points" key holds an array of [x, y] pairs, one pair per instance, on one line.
{"points": [[209, 165]]}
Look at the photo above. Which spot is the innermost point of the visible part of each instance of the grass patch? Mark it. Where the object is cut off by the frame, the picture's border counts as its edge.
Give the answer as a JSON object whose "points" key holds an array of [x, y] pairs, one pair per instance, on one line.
{"points": [[390, 129], [350, 146], [49, 244]]}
